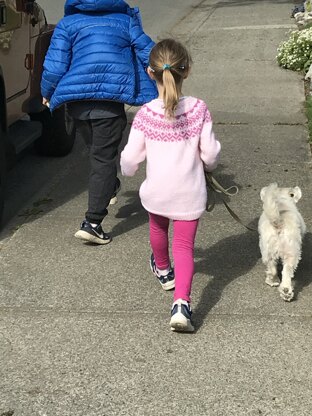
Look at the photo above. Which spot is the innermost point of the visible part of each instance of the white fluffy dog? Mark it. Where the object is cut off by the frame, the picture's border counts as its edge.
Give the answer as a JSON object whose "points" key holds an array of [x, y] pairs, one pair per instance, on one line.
{"points": [[281, 228]]}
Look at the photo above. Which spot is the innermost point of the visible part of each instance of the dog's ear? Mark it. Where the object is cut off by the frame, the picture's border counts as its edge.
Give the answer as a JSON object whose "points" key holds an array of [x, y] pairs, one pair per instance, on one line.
{"points": [[296, 193], [262, 193]]}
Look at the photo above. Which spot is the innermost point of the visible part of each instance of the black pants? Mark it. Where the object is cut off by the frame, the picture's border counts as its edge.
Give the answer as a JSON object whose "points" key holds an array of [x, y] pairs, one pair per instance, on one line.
{"points": [[102, 137]]}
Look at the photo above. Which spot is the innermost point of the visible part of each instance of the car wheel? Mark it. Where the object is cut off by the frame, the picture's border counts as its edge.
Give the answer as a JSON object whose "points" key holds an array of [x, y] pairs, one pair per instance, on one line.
{"points": [[2, 173], [58, 132]]}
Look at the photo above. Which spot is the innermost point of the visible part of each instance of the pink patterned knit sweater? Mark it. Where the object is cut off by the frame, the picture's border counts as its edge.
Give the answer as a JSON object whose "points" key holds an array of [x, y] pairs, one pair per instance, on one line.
{"points": [[176, 151]]}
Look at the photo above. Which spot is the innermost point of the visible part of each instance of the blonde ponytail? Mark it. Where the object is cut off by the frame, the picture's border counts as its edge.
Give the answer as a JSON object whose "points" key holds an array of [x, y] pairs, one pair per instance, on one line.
{"points": [[170, 63], [171, 94]]}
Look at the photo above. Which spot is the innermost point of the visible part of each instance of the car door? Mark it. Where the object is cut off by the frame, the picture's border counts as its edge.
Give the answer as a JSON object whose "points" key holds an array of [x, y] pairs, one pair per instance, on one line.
{"points": [[14, 48]]}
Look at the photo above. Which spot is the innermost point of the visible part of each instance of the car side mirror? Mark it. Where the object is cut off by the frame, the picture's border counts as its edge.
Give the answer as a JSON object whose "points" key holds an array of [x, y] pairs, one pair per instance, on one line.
{"points": [[26, 6]]}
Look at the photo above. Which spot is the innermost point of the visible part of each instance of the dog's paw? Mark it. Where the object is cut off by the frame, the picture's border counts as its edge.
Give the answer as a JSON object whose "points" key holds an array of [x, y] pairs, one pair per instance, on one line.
{"points": [[286, 293], [272, 280]]}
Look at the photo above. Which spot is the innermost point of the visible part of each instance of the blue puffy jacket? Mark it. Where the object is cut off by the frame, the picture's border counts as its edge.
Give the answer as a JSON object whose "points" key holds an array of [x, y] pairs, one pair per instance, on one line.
{"points": [[98, 51]]}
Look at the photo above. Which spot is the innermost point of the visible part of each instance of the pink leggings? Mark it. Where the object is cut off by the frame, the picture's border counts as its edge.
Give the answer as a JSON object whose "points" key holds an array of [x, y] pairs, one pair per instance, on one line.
{"points": [[184, 233]]}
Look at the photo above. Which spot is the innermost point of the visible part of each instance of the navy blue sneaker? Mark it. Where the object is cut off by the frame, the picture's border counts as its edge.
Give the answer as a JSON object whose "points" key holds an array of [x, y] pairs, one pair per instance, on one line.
{"points": [[167, 281], [114, 199], [181, 314], [92, 234]]}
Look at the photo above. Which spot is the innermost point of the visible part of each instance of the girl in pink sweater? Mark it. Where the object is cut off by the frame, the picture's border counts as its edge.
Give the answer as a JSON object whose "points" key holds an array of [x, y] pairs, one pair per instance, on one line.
{"points": [[174, 134]]}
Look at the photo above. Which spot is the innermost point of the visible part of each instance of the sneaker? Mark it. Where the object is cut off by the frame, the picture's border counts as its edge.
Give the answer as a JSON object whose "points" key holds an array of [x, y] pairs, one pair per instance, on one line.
{"points": [[92, 234], [114, 199], [181, 316], [167, 281]]}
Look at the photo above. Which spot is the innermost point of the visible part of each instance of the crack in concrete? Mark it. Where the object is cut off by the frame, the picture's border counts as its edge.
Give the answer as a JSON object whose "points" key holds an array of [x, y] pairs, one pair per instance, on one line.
{"points": [[199, 24]]}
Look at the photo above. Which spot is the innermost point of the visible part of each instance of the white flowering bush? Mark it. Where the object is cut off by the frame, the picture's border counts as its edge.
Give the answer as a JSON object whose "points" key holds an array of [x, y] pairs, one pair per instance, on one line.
{"points": [[296, 52]]}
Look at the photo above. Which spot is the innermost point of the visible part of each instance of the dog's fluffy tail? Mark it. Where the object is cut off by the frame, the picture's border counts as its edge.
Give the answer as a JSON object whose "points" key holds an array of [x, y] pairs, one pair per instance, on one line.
{"points": [[270, 203]]}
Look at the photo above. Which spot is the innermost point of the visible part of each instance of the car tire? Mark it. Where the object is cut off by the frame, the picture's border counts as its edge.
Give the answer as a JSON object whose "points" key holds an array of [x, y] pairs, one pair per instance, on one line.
{"points": [[58, 132], [2, 173]]}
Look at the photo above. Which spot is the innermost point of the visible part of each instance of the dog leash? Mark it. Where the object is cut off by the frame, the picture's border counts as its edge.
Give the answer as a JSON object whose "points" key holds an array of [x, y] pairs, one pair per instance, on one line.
{"points": [[216, 188]]}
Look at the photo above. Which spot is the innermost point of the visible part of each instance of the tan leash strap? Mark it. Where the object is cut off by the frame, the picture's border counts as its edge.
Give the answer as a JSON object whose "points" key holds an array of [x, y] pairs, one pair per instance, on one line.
{"points": [[236, 217], [216, 187]]}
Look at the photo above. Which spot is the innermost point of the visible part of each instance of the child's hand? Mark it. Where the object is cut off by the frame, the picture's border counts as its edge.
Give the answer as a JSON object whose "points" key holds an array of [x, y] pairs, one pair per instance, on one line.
{"points": [[45, 102]]}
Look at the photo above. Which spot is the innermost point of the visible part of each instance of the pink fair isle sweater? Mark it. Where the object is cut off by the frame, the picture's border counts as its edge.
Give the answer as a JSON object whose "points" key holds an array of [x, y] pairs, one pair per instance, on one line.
{"points": [[176, 151]]}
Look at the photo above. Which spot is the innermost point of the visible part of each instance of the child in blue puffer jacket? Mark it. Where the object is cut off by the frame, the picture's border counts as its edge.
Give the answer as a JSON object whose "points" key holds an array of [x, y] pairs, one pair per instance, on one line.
{"points": [[95, 64]]}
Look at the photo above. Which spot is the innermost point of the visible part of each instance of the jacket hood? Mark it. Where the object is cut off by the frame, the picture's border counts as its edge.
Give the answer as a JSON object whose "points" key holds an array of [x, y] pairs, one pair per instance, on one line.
{"points": [[76, 6]]}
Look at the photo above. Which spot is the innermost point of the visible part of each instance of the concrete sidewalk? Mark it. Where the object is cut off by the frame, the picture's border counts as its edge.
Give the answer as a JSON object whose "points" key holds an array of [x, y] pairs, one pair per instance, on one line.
{"points": [[85, 330]]}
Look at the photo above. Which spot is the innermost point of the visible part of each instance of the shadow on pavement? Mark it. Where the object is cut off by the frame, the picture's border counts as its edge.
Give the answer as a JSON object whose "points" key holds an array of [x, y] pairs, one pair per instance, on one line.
{"points": [[132, 213], [227, 260], [303, 275], [233, 257], [53, 182]]}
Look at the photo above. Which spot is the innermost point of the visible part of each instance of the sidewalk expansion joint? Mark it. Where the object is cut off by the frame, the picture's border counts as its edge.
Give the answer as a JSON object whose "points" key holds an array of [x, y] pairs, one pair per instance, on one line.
{"points": [[13, 311], [67, 312], [282, 123], [230, 123], [243, 123], [251, 27]]}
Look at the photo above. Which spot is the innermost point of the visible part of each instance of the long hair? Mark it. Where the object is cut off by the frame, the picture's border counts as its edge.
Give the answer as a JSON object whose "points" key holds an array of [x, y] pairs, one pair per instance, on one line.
{"points": [[170, 62]]}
